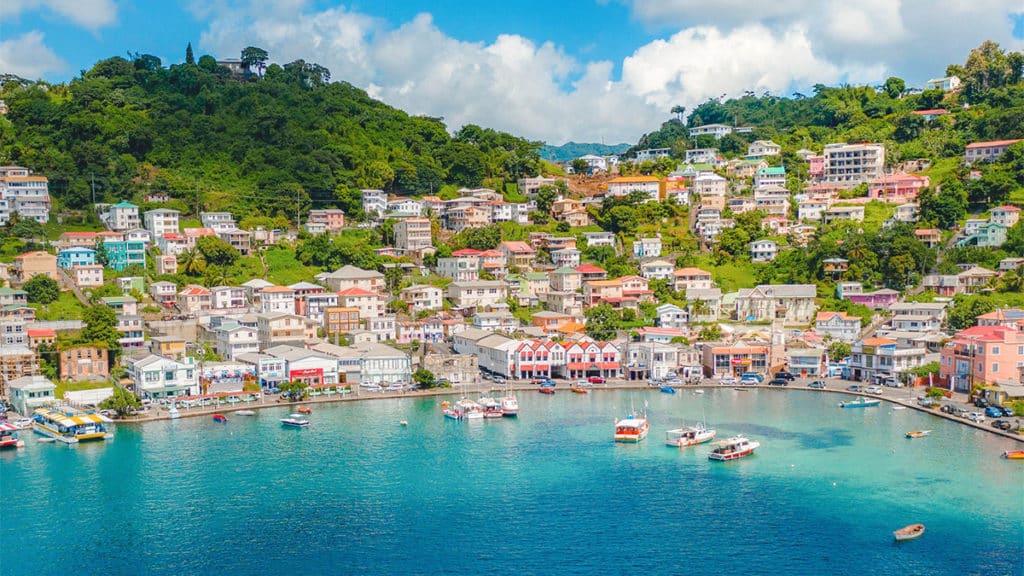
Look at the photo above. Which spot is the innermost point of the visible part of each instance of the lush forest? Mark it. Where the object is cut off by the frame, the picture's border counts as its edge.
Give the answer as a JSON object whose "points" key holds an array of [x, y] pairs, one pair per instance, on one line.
{"points": [[266, 143], [571, 150]]}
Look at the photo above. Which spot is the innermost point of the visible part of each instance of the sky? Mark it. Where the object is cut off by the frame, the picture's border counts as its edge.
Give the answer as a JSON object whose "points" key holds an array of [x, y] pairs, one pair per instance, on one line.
{"points": [[555, 70]]}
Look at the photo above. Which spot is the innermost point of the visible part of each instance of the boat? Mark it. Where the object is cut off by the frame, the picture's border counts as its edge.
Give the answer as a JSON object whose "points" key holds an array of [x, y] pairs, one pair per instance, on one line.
{"points": [[509, 406], [689, 436], [860, 402], [909, 532], [304, 410], [1014, 454], [492, 408], [69, 425], [245, 412], [9, 436], [403, 422], [47, 440], [464, 409], [733, 449], [899, 407], [295, 421], [546, 390], [220, 418], [918, 433], [173, 413], [698, 391], [668, 389], [23, 423], [578, 390], [632, 428]]}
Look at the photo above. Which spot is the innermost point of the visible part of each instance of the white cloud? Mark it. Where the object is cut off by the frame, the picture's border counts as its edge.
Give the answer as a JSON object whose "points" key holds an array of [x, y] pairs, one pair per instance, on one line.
{"points": [[91, 14], [537, 90], [28, 56]]}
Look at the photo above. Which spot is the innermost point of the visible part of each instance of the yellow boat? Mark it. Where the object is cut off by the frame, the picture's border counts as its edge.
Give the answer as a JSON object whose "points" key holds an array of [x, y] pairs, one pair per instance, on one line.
{"points": [[918, 433], [69, 425], [1014, 454]]}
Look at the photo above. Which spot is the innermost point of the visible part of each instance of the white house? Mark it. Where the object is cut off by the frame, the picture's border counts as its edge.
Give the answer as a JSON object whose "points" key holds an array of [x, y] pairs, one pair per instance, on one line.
{"points": [[422, 297], [375, 203], [479, 293], [228, 298], [1006, 215], [597, 239], [716, 130], [277, 299], [792, 303], [158, 377], [647, 247], [762, 148], [657, 270], [370, 304], [161, 221], [946, 84], [233, 339], [770, 176], [691, 279], [763, 250], [672, 316], [838, 325], [566, 257]]}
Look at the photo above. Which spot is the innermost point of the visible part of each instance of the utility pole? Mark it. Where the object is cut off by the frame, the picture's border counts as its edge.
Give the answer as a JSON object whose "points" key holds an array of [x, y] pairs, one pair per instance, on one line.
{"points": [[298, 215], [93, 177], [197, 198]]}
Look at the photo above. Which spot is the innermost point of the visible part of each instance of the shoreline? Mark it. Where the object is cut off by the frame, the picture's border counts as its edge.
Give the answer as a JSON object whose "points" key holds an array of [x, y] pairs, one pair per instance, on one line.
{"points": [[356, 396]]}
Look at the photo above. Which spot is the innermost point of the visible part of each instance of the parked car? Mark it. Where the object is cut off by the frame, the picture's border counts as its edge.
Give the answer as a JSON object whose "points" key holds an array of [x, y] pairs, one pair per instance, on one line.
{"points": [[596, 380], [855, 388], [654, 382], [674, 381], [817, 384], [752, 375], [728, 380], [876, 390], [1002, 424], [981, 403], [891, 382], [994, 412], [928, 402], [778, 382], [947, 409], [1007, 411], [785, 376], [976, 417], [749, 380]]}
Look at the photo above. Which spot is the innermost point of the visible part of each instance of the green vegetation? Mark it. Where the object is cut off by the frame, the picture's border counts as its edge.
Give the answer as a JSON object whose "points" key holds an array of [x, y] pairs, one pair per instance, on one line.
{"points": [[66, 307], [42, 289], [124, 402], [65, 386], [284, 269]]}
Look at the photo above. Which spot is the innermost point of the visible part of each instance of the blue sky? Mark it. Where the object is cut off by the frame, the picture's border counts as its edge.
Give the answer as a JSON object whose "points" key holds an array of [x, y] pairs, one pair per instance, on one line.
{"points": [[585, 70]]}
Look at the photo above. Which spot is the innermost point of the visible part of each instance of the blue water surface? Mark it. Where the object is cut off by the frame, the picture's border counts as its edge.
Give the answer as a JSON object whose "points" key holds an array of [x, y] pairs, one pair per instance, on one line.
{"points": [[547, 493]]}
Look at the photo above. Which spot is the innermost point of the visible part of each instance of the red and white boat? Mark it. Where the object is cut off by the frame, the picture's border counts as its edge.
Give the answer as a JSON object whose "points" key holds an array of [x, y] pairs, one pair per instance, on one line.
{"points": [[633, 428], [733, 449], [9, 436], [509, 406], [689, 436]]}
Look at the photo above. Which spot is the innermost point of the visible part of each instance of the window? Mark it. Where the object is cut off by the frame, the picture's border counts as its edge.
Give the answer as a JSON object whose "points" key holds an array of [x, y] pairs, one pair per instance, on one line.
{"points": [[995, 350], [995, 367]]}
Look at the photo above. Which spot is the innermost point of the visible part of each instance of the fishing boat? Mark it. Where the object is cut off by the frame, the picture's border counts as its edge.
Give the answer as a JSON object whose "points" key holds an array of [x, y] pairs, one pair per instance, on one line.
{"points": [[632, 428], [69, 425], [491, 407], [464, 409], [9, 436], [220, 418], [1014, 454], [689, 436], [909, 532], [733, 449], [546, 390], [509, 406], [295, 421], [918, 433], [245, 412], [668, 390], [578, 390], [304, 410], [860, 402], [173, 413]]}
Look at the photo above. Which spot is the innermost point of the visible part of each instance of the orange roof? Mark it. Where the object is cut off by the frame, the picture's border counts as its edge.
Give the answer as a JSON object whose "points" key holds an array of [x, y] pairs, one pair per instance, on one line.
{"points": [[277, 289], [691, 272], [633, 179], [41, 332], [878, 342], [992, 143], [843, 315], [26, 178], [356, 292], [926, 232], [518, 247], [33, 254], [604, 282], [590, 269]]}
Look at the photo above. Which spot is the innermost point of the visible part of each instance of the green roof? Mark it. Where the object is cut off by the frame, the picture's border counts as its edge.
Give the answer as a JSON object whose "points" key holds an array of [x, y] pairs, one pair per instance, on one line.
{"points": [[566, 270], [117, 299], [9, 291], [124, 204], [774, 170], [536, 276]]}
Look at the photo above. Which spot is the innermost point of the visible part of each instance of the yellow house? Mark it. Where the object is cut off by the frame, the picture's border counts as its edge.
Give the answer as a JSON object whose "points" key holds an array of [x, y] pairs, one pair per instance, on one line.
{"points": [[167, 346]]}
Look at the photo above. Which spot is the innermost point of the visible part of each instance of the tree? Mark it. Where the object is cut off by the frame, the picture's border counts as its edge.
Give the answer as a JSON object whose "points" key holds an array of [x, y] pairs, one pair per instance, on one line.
{"points": [[216, 251], [123, 401], [101, 326], [191, 262], [838, 350], [894, 87], [254, 59], [966, 310], [424, 379], [679, 112], [945, 209], [602, 322], [42, 289], [546, 195], [102, 256], [710, 333], [580, 166], [294, 389], [190, 58]]}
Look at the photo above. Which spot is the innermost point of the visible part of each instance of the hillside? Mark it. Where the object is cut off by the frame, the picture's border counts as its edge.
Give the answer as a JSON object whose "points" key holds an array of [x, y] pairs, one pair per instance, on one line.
{"points": [[266, 145], [571, 150]]}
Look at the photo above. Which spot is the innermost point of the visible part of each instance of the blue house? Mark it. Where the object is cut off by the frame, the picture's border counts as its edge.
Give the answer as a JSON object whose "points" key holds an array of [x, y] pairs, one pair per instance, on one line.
{"points": [[77, 256], [123, 254]]}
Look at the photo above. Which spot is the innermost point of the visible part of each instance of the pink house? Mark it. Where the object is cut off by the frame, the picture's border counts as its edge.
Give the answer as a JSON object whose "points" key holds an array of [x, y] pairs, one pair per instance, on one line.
{"points": [[332, 219], [897, 188], [879, 299], [815, 166], [982, 354]]}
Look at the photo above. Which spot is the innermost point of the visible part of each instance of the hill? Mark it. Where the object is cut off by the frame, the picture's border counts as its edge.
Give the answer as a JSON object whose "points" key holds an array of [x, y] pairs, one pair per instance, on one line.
{"points": [[571, 150]]}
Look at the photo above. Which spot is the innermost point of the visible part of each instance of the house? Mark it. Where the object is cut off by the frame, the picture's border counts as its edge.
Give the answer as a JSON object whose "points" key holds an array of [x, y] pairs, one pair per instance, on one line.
{"points": [[847, 165], [122, 254], [23, 193], [917, 316], [852, 213], [421, 297], [349, 276], [686, 279], [131, 326], [228, 299], [771, 199], [591, 272], [32, 264], [218, 220], [30, 392], [1007, 264], [87, 276], [741, 204], [647, 247], [76, 256], [812, 209], [312, 305], [792, 303], [370, 304], [498, 321], [84, 363], [161, 221], [803, 360], [930, 114], [478, 293], [332, 219], [710, 188], [879, 299], [704, 304], [549, 321], [566, 280], [240, 240], [157, 377], [341, 320], [708, 156], [974, 279], [529, 186], [672, 316], [139, 235], [566, 257], [897, 188], [716, 130], [585, 357], [657, 270], [987, 235], [873, 358], [986, 151], [763, 250], [946, 84], [168, 346], [164, 293], [835, 267], [1005, 216], [413, 234], [461, 268], [596, 291], [12, 297], [744, 167], [40, 336], [734, 359], [121, 217], [233, 339], [651, 187], [275, 299], [518, 254], [1006, 317], [929, 236], [838, 325], [276, 328], [770, 176], [193, 299], [636, 287], [761, 148]]}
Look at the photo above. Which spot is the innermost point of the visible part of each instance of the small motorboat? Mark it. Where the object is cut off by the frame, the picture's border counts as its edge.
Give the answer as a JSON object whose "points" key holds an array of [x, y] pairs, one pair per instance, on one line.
{"points": [[304, 410], [245, 412], [578, 390], [899, 407], [295, 421], [47, 440], [220, 418], [173, 413], [909, 532], [860, 402], [918, 433], [546, 390], [403, 422], [668, 389], [1014, 454], [733, 448]]}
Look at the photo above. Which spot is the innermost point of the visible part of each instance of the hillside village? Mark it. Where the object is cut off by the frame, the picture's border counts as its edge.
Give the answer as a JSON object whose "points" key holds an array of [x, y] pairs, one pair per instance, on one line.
{"points": [[823, 261]]}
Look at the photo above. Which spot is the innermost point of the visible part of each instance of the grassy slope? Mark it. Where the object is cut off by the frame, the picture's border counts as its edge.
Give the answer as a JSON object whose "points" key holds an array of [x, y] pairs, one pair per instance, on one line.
{"points": [[284, 269], [67, 307]]}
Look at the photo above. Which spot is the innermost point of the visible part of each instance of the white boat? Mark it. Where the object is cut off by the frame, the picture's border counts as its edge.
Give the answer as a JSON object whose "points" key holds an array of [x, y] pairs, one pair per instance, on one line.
{"points": [[245, 412], [509, 406], [9, 436], [909, 532], [22, 423], [733, 448], [633, 428], [492, 408], [69, 425], [689, 436], [295, 421], [464, 409], [172, 412]]}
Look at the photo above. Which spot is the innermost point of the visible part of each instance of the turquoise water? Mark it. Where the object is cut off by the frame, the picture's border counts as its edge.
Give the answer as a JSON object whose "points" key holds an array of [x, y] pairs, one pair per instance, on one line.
{"points": [[548, 493]]}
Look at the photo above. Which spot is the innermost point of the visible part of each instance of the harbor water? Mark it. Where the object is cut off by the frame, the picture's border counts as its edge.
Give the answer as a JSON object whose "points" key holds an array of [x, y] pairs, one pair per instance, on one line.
{"points": [[546, 493]]}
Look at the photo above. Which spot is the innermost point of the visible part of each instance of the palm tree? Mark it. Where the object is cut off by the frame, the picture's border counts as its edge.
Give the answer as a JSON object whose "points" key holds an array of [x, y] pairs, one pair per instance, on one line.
{"points": [[679, 111], [191, 262]]}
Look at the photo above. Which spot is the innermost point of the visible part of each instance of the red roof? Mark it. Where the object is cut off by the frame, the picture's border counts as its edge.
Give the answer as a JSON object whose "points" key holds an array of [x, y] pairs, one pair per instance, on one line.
{"points": [[280, 289], [518, 247], [992, 143], [356, 292], [491, 253], [984, 333], [1009, 208], [41, 332], [932, 112], [590, 269], [466, 252]]}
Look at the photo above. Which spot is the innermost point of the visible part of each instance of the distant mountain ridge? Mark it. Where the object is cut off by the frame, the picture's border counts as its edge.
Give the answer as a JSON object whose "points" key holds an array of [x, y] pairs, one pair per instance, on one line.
{"points": [[571, 150]]}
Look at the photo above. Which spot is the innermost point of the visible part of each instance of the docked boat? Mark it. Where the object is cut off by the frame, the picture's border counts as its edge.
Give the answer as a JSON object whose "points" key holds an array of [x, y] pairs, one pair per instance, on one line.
{"points": [[1014, 454], [509, 406], [491, 407], [22, 423], [220, 418], [578, 390], [546, 390], [304, 410], [689, 436], [918, 433], [632, 428], [464, 410], [173, 413], [668, 390], [860, 402], [295, 421], [245, 412], [69, 425], [909, 532], [733, 449], [9, 436]]}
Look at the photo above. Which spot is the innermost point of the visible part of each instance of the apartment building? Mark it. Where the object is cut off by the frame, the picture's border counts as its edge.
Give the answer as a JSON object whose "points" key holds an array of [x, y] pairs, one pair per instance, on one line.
{"points": [[413, 234], [847, 165]]}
